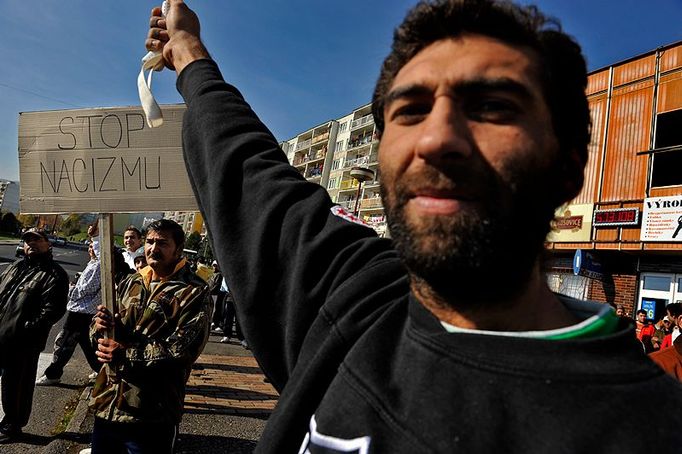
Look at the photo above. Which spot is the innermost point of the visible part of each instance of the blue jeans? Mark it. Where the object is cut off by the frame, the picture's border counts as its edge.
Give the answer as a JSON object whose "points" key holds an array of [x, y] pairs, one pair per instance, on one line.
{"points": [[133, 438]]}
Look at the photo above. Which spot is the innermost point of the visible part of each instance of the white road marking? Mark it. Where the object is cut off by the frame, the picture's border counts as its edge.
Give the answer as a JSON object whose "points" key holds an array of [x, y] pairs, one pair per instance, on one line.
{"points": [[43, 361]]}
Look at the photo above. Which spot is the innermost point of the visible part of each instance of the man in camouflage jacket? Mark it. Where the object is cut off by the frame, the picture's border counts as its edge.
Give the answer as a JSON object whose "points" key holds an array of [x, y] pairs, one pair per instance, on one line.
{"points": [[33, 296], [161, 325]]}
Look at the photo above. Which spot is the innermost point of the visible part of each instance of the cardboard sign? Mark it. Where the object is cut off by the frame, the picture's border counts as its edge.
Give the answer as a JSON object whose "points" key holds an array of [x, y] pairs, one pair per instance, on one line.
{"points": [[662, 219], [103, 160]]}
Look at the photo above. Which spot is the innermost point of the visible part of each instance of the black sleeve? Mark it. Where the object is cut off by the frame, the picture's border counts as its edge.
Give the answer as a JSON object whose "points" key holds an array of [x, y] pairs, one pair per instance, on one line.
{"points": [[53, 300], [281, 249]]}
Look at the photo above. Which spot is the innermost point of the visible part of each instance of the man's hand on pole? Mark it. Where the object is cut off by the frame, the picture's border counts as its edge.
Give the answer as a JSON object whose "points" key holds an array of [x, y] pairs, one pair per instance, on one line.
{"points": [[106, 348], [177, 35]]}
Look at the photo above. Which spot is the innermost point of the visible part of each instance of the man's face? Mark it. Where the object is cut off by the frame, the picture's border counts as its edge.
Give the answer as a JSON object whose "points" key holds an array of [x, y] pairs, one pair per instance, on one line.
{"points": [[140, 262], [132, 240], [620, 312], [161, 252], [641, 318], [35, 245], [467, 160]]}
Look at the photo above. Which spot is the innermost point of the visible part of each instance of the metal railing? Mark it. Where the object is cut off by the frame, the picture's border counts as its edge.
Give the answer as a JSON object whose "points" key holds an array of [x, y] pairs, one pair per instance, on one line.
{"points": [[362, 160], [304, 144], [367, 119]]}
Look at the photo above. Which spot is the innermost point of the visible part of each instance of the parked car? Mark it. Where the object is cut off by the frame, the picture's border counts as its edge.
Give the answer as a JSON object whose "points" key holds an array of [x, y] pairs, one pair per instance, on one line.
{"points": [[56, 240], [20, 250]]}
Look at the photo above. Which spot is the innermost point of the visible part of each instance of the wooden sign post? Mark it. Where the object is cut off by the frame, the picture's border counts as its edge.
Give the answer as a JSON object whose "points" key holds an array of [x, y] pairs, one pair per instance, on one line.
{"points": [[106, 232]]}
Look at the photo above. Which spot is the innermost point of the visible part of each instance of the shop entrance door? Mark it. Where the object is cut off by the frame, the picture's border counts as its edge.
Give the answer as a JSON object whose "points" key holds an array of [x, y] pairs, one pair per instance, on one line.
{"points": [[657, 290]]}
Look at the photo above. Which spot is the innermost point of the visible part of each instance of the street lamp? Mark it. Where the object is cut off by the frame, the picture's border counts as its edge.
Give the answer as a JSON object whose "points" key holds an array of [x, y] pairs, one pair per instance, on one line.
{"points": [[361, 174]]}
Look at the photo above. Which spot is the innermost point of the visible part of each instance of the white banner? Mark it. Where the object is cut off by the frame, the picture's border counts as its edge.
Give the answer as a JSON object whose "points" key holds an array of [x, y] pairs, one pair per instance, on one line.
{"points": [[662, 219]]}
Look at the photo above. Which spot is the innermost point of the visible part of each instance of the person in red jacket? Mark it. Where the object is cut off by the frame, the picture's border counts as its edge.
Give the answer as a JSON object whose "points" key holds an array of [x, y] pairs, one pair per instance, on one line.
{"points": [[674, 312], [645, 331], [670, 359]]}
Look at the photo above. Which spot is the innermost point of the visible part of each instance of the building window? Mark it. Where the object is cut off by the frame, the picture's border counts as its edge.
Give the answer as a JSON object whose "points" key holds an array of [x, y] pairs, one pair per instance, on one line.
{"points": [[336, 164], [339, 145], [666, 165], [332, 183], [343, 126]]}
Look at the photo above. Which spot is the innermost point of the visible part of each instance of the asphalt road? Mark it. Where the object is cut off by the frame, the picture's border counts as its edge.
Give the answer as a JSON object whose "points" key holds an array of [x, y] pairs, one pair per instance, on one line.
{"points": [[50, 403], [72, 260]]}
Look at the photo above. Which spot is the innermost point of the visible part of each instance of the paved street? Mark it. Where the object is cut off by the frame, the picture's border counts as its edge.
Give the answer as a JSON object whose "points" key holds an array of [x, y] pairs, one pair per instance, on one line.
{"points": [[227, 402], [72, 260]]}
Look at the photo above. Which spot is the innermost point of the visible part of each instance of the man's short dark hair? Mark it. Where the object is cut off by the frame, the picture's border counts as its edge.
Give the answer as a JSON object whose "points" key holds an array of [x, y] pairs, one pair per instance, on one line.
{"points": [[641, 311], [674, 309], [132, 228], [172, 227], [562, 67]]}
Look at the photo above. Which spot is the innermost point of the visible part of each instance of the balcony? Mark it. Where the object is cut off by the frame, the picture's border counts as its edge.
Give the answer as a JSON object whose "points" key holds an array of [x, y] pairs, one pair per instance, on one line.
{"points": [[304, 144], [310, 156], [371, 203], [322, 137], [375, 220], [360, 141], [360, 122], [314, 172], [360, 161], [347, 204], [348, 184]]}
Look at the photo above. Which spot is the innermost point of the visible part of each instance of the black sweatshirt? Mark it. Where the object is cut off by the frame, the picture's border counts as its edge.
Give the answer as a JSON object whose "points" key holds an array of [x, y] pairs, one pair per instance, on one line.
{"points": [[361, 365]]}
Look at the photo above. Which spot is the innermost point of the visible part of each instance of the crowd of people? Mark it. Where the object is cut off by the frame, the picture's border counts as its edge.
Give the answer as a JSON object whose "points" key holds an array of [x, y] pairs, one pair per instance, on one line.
{"points": [[376, 345], [162, 306], [661, 339]]}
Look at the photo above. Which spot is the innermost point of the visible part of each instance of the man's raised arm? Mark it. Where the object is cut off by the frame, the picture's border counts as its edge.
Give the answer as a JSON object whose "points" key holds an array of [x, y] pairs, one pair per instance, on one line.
{"points": [[276, 239]]}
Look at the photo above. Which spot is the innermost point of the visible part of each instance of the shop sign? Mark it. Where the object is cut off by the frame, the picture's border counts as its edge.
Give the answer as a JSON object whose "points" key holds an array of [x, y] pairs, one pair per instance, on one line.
{"points": [[662, 219], [649, 306], [585, 264], [617, 217], [572, 223]]}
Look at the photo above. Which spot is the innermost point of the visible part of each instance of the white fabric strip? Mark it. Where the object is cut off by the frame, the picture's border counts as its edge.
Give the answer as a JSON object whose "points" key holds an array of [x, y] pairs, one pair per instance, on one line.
{"points": [[151, 62]]}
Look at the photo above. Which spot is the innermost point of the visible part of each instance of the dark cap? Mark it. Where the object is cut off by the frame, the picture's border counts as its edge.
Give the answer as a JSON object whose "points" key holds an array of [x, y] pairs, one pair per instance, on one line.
{"points": [[34, 232]]}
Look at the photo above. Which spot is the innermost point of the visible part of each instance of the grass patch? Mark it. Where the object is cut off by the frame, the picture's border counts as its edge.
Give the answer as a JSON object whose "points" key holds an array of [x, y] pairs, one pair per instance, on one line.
{"points": [[5, 236], [69, 411]]}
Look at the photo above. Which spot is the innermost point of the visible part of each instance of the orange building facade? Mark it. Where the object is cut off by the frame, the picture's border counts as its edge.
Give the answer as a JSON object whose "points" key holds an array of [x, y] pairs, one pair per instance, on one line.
{"points": [[627, 221]]}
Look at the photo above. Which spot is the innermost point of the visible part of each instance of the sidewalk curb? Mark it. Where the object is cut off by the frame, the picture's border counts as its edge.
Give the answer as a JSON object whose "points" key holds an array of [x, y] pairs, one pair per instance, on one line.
{"points": [[59, 445]]}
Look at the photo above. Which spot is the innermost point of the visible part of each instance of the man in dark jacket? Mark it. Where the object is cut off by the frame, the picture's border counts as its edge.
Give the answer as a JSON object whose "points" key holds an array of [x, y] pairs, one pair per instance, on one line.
{"points": [[447, 338], [33, 296]]}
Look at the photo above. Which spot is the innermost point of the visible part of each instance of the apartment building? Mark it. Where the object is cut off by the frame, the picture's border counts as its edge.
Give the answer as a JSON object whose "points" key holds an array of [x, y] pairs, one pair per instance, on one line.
{"points": [[190, 221], [9, 196], [329, 154]]}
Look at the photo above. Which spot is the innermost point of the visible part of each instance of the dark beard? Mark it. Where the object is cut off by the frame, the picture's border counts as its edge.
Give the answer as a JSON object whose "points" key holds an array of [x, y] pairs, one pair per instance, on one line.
{"points": [[478, 256]]}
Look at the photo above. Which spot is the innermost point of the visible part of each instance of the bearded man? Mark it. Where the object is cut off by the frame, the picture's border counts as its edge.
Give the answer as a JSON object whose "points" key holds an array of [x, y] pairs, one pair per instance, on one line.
{"points": [[447, 338]]}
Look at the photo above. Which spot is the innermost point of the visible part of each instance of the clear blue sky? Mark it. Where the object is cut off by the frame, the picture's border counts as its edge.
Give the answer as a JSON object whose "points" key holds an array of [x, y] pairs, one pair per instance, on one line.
{"points": [[298, 62]]}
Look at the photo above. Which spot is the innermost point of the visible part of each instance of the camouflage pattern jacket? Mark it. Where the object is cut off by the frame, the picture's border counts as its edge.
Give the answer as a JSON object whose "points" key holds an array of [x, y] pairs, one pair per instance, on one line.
{"points": [[164, 327]]}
